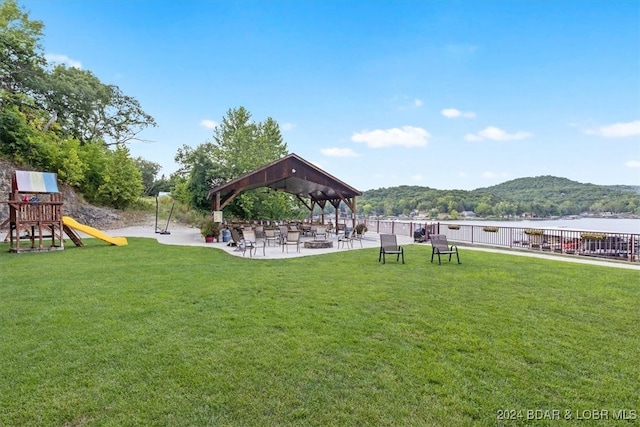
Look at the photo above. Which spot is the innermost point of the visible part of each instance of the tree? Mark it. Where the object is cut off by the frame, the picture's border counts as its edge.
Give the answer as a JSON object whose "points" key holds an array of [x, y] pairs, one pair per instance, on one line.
{"points": [[483, 209], [15, 133], [68, 163], [122, 182], [148, 170], [92, 111], [198, 169], [21, 60], [239, 146]]}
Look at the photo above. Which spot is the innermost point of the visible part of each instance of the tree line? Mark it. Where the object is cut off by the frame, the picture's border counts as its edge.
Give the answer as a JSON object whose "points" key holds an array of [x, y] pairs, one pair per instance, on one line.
{"points": [[542, 196]]}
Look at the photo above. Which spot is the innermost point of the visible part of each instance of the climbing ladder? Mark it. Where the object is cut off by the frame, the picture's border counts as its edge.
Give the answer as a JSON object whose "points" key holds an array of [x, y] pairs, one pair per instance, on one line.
{"points": [[72, 235]]}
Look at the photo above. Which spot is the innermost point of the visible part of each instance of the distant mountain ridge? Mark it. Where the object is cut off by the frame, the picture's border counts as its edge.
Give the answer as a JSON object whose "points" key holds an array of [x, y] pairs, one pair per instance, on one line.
{"points": [[541, 196], [552, 182]]}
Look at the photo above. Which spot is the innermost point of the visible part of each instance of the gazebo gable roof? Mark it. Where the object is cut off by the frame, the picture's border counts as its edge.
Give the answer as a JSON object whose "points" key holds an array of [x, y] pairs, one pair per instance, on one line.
{"points": [[291, 174]]}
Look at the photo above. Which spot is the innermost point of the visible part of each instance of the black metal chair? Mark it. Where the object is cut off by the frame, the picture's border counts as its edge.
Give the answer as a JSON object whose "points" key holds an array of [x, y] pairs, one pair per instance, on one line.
{"points": [[389, 245], [440, 246]]}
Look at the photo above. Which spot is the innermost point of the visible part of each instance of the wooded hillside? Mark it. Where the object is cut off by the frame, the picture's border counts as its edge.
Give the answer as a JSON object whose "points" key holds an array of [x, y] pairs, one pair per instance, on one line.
{"points": [[541, 196]]}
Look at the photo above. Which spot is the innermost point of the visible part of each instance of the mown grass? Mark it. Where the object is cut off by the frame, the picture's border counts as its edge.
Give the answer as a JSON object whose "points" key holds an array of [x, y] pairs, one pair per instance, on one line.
{"points": [[160, 335]]}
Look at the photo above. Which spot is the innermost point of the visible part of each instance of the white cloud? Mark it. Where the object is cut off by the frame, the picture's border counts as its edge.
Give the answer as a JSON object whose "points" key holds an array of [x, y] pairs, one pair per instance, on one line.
{"points": [[407, 136], [496, 134], [417, 177], [287, 126], [62, 59], [453, 113], [491, 175], [418, 102], [209, 124], [632, 164], [339, 152], [472, 137], [616, 130], [462, 174]]}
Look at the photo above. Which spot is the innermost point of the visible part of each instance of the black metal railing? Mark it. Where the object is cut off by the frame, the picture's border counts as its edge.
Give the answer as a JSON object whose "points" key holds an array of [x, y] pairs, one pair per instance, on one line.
{"points": [[609, 245]]}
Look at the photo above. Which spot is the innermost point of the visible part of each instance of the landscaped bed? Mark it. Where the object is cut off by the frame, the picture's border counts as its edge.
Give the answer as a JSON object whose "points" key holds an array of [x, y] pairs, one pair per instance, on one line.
{"points": [[149, 334]]}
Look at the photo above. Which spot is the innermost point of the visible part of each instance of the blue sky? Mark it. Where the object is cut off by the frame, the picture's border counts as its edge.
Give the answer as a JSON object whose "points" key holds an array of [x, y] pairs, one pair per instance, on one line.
{"points": [[445, 94]]}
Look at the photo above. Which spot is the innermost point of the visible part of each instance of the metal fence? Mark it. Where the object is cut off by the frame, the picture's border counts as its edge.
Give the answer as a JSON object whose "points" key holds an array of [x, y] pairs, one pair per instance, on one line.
{"points": [[618, 246]]}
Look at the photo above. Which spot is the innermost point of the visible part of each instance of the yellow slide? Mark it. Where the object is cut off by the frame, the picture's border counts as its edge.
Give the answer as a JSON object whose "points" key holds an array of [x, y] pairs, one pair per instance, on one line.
{"points": [[94, 232]]}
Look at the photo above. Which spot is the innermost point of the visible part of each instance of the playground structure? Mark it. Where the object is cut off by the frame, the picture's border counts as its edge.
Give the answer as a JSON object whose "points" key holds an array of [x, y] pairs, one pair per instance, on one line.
{"points": [[35, 215]]}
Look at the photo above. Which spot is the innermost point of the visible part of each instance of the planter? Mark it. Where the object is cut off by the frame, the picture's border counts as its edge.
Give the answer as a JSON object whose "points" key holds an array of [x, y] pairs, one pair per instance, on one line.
{"points": [[593, 236], [361, 229], [209, 239], [453, 227], [490, 229], [532, 232]]}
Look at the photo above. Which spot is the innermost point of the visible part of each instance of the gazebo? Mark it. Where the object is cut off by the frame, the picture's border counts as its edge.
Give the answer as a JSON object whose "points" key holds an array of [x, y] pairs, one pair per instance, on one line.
{"points": [[294, 175]]}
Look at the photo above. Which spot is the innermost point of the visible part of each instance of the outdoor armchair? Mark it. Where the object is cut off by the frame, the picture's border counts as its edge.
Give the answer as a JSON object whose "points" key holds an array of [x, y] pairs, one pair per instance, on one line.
{"points": [[270, 236], [251, 242], [347, 239], [241, 243], [320, 233], [389, 246], [292, 238], [440, 246]]}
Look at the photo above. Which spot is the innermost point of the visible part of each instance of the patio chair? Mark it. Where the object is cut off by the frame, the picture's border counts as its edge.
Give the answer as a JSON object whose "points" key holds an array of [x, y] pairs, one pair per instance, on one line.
{"points": [[440, 246], [241, 244], [320, 233], [284, 230], [251, 240], [389, 246], [270, 236], [330, 229], [347, 239], [292, 238]]}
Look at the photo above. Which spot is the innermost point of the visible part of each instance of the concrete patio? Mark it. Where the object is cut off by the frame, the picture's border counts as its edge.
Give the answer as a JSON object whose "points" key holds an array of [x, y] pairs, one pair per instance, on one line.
{"points": [[188, 236]]}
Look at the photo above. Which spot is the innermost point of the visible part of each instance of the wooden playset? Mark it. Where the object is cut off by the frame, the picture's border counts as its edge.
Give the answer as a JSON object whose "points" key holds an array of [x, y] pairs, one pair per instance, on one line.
{"points": [[35, 218]]}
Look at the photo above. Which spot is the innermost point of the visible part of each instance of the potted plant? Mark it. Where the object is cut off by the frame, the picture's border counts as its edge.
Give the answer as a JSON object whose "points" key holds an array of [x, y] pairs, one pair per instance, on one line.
{"points": [[361, 229], [210, 230]]}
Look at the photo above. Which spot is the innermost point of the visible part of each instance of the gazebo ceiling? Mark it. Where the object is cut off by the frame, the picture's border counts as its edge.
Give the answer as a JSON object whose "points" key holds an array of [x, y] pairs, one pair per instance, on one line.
{"points": [[291, 174]]}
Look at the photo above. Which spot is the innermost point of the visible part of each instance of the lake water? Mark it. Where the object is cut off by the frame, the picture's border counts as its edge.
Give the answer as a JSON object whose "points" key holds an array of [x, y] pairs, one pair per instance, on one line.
{"points": [[612, 225]]}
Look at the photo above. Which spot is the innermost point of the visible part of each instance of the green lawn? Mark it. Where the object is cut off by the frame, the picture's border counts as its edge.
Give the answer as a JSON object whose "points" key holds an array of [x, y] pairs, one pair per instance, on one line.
{"points": [[149, 334]]}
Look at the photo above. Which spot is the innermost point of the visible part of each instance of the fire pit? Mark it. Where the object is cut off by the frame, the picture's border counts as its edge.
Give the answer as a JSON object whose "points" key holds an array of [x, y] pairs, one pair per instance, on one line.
{"points": [[318, 244]]}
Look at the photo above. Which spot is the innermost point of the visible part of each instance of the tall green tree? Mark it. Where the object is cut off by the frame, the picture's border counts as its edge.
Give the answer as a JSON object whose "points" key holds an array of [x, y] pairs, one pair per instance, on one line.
{"points": [[92, 111], [122, 181], [21, 59], [149, 171], [239, 146]]}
